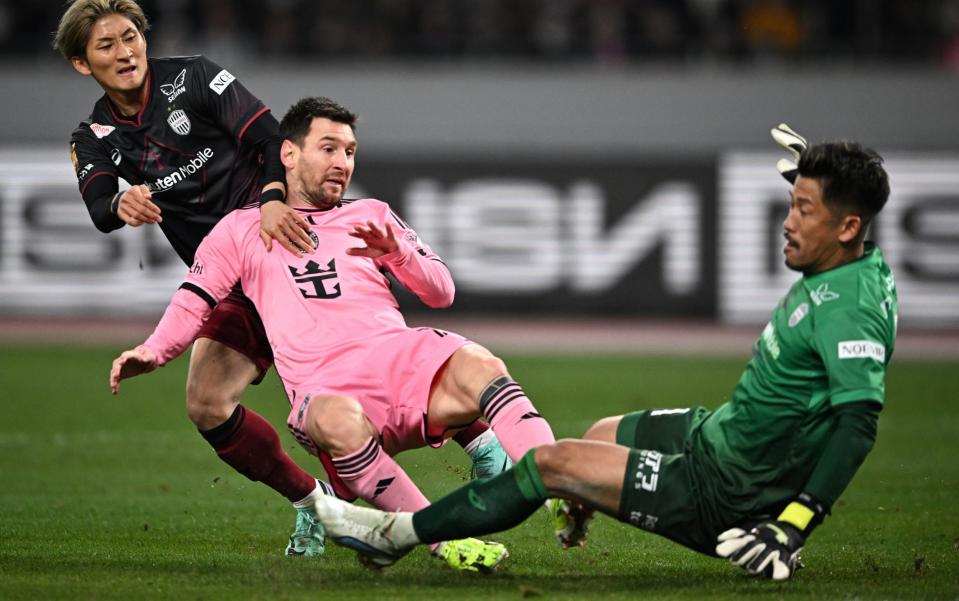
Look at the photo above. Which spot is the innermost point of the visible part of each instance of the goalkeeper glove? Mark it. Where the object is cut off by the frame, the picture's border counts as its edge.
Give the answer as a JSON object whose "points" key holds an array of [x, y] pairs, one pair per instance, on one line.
{"points": [[771, 549], [794, 144]]}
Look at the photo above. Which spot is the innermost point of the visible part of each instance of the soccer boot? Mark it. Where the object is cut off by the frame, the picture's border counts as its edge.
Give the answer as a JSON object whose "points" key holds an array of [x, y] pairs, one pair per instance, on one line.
{"points": [[309, 538], [471, 554], [489, 458], [570, 522], [380, 538]]}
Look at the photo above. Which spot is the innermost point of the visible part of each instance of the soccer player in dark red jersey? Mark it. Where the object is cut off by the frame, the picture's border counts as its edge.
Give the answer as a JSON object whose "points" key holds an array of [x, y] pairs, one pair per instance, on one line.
{"points": [[195, 144]]}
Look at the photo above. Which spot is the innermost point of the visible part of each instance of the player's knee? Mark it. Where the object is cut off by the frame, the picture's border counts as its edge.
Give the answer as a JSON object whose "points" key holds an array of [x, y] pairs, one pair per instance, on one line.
{"points": [[604, 430], [206, 407], [493, 366], [483, 364], [337, 425]]}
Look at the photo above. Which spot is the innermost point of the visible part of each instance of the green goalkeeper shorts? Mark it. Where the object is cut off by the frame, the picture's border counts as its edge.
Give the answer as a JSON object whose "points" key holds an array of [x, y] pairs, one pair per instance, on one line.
{"points": [[659, 494]]}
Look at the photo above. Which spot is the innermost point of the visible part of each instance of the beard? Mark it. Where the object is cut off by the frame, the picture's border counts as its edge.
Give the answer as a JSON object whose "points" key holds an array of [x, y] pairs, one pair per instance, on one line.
{"points": [[321, 199]]}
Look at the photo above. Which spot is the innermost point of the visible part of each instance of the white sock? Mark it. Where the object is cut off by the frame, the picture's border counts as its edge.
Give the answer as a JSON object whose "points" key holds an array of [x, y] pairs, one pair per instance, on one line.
{"points": [[402, 532], [322, 488], [480, 441]]}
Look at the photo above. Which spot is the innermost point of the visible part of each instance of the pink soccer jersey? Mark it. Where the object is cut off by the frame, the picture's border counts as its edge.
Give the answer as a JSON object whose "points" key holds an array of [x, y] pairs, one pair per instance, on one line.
{"points": [[322, 311]]}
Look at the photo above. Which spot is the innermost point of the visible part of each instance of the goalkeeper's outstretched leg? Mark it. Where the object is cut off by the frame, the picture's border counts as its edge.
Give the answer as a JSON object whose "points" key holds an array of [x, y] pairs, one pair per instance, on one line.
{"points": [[589, 472], [804, 412]]}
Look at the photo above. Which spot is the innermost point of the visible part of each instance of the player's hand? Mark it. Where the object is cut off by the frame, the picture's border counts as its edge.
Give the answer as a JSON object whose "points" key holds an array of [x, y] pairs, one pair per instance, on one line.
{"points": [[136, 207], [131, 363], [378, 241], [794, 144], [769, 549], [281, 223]]}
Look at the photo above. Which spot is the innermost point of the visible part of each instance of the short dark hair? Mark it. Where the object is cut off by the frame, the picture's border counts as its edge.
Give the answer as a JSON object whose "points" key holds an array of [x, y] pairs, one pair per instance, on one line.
{"points": [[73, 33], [296, 122], [852, 177]]}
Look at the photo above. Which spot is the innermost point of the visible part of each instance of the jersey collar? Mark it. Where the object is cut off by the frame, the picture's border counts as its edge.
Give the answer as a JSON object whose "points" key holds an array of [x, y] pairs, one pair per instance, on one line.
{"points": [[870, 251], [306, 210]]}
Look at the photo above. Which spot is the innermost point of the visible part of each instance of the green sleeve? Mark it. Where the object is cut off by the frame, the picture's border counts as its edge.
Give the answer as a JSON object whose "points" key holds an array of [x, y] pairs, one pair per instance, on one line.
{"points": [[854, 347], [846, 449]]}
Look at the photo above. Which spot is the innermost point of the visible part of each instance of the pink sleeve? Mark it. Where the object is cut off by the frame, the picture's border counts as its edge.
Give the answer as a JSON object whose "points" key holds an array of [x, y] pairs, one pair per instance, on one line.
{"points": [[418, 268], [215, 270], [179, 325]]}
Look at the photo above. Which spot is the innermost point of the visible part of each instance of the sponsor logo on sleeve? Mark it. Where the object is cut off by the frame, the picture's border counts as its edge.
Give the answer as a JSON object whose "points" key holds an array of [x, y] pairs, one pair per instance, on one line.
{"points": [[101, 131], [82, 175], [179, 122], [798, 315], [862, 349], [172, 90], [772, 343], [221, 81]]}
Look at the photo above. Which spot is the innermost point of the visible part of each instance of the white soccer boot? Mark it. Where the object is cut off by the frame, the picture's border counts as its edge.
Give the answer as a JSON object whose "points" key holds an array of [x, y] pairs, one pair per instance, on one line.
{"points": [[380, 538]]}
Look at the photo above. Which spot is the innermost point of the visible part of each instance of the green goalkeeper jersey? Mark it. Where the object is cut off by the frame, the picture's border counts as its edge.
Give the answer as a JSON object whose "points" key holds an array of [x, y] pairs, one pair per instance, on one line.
{"points": [[828, 342]]}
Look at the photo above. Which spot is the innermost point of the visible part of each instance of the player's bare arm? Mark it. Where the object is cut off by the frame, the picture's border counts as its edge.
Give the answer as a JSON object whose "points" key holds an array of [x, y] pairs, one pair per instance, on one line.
{"points": [[133, 362], [379, 241], [135, 207], [281, 223]]}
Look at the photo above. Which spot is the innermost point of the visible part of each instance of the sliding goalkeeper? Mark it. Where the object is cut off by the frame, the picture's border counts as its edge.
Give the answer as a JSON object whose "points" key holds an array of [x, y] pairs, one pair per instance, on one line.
{"points": [[750, 480]]}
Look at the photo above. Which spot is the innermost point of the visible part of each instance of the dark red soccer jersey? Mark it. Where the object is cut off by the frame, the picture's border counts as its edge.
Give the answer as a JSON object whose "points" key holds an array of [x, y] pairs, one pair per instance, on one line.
{"points": [[184, 144]]}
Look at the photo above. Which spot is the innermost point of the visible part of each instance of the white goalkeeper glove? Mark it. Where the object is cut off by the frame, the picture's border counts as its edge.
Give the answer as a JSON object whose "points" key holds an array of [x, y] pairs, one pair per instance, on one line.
{"points": [[794, 144], [771, 548]]}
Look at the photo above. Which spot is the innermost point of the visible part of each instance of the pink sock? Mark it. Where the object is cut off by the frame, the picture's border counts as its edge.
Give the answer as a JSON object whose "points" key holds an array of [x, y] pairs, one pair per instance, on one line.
{"points": [[513, 418], [373, 476]]}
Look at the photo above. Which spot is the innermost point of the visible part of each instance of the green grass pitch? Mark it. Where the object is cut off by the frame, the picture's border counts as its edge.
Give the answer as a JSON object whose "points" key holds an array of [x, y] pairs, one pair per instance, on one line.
{"points": [[107, 497]]}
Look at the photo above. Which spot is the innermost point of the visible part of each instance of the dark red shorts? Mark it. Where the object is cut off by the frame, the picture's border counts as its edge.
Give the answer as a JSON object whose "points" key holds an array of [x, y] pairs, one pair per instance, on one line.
{"points": [[235, 323]]}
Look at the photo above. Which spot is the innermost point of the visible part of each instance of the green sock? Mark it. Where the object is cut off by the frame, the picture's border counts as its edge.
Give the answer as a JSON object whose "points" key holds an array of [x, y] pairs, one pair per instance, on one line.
{"points": [[484, 506]]}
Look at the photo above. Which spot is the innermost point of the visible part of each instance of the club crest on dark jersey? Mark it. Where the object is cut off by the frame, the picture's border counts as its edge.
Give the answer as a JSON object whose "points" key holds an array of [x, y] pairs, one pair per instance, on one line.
{"points": [[179, 122]]}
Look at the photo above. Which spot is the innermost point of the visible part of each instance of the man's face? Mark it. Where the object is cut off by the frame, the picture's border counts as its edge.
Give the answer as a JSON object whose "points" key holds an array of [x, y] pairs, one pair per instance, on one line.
{"points": [[116, 55], [324, 164], [814, 235]]}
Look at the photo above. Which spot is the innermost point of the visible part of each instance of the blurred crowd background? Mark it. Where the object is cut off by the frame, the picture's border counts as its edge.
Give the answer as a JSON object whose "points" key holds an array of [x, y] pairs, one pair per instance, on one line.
{"points": [[585, 158], [589, 31]]}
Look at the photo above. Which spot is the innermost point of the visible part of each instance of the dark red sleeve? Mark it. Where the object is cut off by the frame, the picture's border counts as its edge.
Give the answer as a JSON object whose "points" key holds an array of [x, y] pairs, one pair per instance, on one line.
{"points": [[96, 178]]}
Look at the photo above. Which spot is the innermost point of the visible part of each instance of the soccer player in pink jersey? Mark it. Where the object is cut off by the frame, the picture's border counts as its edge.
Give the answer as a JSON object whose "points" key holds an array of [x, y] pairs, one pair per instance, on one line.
{"points": [[194, 144], [362, 385]]}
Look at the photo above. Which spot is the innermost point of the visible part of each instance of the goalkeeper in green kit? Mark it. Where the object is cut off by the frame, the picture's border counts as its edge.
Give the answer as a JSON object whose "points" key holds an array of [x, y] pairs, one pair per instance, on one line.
{"points": [[750, 480]]}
